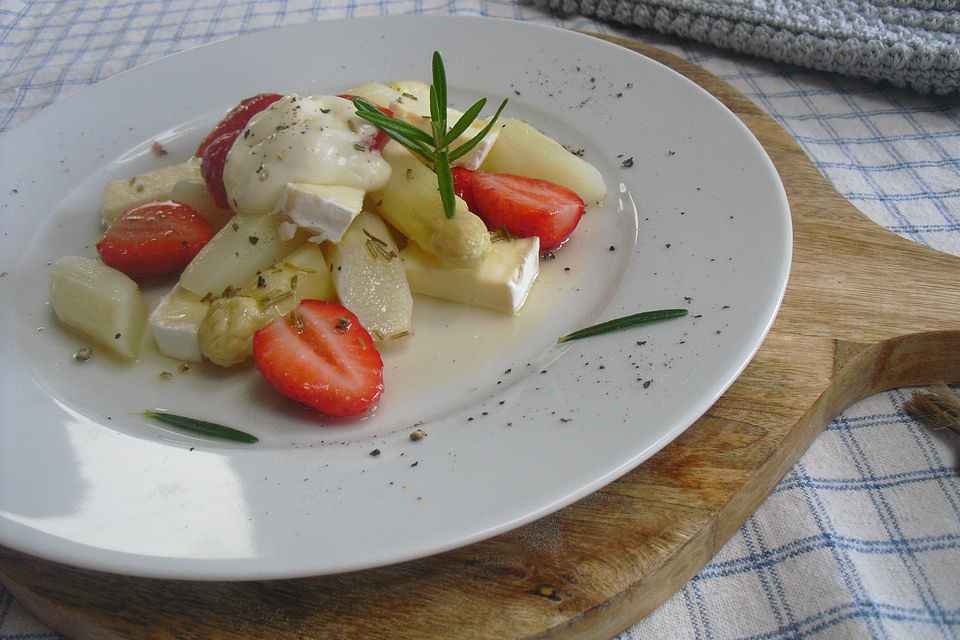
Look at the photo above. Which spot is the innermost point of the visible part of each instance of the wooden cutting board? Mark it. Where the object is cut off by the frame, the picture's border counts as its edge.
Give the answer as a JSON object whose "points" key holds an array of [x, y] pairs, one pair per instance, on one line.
{"points": [[864, 311]]}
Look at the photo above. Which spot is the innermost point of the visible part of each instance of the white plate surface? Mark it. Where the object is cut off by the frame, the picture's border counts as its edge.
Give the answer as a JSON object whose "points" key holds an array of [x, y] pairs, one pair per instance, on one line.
{"points": [[517, 426]]}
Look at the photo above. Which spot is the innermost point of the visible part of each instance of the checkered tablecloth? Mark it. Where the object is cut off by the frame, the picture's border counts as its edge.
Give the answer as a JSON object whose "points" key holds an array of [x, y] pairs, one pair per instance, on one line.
{"points": [[861, 539]]}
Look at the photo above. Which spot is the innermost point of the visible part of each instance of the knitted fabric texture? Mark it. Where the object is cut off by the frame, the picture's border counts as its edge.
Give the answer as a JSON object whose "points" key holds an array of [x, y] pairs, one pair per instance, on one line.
{"points": [[910, 43]]}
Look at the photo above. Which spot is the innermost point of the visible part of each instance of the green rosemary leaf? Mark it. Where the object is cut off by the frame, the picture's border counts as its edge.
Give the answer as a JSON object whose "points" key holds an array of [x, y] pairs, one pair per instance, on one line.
{"points": [[624, 323], [438, 118], [417, 147], [385, 123], [414, 144], [466, 147], [440, 88], [465, 121], [201, 427], [364, 105], [445, 182]]}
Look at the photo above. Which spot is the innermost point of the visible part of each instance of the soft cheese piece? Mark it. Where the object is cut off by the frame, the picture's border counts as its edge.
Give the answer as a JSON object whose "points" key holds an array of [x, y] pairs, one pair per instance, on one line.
{"points": [[174, 323], [501, 282], [323, 210], [120, 195], [413, 106], [314, 139]]}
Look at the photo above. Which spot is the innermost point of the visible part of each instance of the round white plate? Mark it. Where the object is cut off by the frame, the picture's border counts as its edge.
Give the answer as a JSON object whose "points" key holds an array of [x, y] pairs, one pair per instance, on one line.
{"points": [[517, 426]]}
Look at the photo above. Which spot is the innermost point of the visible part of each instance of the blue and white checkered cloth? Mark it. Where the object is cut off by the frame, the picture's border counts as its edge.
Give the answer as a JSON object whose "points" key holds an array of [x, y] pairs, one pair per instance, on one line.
{"points": [[861, 539]]}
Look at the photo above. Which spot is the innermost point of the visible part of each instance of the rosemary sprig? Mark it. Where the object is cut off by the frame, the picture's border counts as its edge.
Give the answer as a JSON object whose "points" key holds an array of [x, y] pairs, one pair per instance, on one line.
{"points": [[201, 427], [624, 323], [433, 147]]}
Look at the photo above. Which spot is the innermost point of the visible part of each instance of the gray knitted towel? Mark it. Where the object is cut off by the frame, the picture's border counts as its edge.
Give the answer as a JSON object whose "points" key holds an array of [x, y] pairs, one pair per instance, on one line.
{"points": [[911, 43]]}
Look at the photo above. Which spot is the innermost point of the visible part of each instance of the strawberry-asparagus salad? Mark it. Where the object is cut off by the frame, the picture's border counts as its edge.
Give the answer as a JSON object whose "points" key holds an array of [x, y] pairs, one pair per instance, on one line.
{"points": [[303, 224]]}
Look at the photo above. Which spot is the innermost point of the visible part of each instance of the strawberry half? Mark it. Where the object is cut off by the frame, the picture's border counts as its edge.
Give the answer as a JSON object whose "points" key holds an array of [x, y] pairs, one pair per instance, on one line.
{"points": [[523, 206], [322, 357], [214, 148], [211, 167], [380, 139], [154, 239], [237, 118]]}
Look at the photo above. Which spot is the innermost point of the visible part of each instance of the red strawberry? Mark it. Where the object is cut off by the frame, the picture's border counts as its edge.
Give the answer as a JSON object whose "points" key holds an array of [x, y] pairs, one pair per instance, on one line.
{"points": [[463, 184], [381, 139], [524, 206], [154, 239], [213, 150], [211, 167], [322, 357], [237, 119]]}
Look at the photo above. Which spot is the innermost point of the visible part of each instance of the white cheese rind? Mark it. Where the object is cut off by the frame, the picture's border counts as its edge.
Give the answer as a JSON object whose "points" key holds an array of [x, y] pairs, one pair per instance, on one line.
{"points": [[175, 322], [323, 210], [501, 282]]}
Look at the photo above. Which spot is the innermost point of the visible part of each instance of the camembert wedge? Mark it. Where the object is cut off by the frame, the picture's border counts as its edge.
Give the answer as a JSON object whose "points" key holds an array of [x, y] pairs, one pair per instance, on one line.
{"points": [[501, 282]]}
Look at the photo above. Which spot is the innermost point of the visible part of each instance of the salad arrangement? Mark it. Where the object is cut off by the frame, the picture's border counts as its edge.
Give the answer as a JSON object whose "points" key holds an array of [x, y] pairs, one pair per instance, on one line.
{"points": [[302, 226]]}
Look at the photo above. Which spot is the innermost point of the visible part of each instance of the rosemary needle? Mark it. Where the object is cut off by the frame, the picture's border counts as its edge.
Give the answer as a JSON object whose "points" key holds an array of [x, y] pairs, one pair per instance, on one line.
{"points": [[201, 427], [623, 323]]}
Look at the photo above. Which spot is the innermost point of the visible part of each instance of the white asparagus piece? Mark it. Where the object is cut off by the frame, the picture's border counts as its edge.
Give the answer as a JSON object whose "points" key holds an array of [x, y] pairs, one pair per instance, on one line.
{"points": [[99, 301]]}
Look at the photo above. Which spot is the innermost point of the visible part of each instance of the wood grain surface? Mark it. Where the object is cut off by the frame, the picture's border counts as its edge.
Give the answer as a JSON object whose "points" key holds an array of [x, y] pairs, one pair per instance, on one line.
{"points": [[864, 311]]}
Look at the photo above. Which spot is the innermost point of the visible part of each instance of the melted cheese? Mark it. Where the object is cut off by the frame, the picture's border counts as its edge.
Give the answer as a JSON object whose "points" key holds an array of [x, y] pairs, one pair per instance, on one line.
{"points": [[314, 139]]}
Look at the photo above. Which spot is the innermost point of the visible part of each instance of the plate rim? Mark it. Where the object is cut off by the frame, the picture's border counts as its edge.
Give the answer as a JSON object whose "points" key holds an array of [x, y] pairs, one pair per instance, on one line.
{"points": [[117, 561]]}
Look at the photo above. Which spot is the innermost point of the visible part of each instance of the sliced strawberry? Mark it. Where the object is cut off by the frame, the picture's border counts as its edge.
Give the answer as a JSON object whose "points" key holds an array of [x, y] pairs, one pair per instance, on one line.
{"points": [[463, 184], [322, 357], [211, 167], [381, 139], [154, 239], [523, 206], [237, 119]]}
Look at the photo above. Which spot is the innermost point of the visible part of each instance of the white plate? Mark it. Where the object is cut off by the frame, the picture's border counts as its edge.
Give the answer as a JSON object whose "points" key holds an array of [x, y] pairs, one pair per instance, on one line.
{"points": [[517, 426]]}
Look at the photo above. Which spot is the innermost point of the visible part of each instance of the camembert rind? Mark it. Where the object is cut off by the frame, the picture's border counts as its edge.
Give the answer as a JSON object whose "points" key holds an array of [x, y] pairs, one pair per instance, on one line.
{"points": [[174, 323], [325, 211]]}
